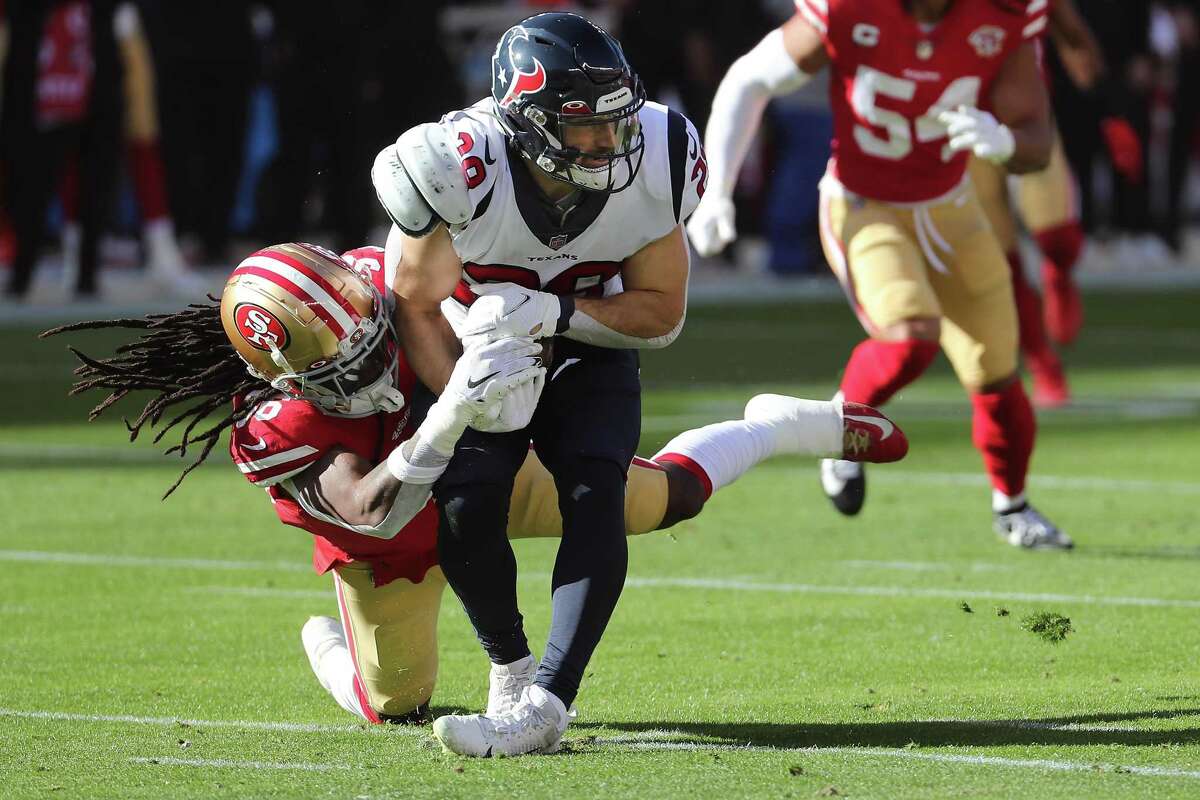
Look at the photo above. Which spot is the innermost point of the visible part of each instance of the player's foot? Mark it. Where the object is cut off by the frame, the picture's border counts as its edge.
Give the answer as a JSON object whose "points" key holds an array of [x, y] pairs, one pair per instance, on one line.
{"points": [[852, 431], [535, 725], [507, 683], [321, 635], [845, 484], [1063, 307], [1024, 526], [1050, 389], [868, 435]]}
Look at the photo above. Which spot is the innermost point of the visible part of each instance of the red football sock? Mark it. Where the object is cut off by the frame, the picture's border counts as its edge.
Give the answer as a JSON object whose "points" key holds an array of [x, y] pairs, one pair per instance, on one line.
{"points": [[1061, 247], [1003, 429], [1034, 345], [149, 179], [877, 370]]}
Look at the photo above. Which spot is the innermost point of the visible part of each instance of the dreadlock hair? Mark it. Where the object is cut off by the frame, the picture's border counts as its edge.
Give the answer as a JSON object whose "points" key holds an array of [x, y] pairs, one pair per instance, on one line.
{"points": [[180, 357]]}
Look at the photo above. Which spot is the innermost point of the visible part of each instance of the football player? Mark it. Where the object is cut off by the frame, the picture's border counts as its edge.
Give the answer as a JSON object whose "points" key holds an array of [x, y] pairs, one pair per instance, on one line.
{"points": [[900, 223], [329, 419], [1046, 201], [567, 189]]}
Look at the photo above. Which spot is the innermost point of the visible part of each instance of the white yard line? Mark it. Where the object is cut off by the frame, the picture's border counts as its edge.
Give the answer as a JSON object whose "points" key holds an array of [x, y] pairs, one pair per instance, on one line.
{"points": [[234, 724], [634, 582], [636, 742], [225, 763], [928, 566], [905, 591], [660, 740], [106, 560], [264, 591]]}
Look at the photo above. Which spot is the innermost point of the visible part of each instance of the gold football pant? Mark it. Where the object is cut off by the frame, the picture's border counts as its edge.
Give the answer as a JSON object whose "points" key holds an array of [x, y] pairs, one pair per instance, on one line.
{"points": [[935, 260], [392, 629], [1044, 200]]}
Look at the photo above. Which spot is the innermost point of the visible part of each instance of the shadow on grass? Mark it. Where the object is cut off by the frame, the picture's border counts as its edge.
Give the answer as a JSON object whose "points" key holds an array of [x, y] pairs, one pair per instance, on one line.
{"points": [[921, 733]]}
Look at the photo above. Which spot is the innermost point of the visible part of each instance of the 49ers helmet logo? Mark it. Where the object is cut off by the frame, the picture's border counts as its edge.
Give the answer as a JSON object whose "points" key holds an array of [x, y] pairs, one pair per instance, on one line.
{"points": [[523, 82], [260, 328]]}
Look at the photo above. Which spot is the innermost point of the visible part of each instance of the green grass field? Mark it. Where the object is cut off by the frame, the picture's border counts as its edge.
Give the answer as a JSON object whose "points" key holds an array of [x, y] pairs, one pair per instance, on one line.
{"points": [[768, 648]]}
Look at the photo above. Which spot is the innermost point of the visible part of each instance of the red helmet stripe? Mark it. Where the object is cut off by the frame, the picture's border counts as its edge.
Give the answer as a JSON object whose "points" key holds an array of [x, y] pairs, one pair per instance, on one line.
{"points": [[301, 295], [318, 279]]}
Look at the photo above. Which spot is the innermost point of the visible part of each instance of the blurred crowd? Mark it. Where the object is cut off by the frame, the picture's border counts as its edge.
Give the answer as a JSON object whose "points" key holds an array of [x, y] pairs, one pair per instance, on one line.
{"points": [[192, 131]]}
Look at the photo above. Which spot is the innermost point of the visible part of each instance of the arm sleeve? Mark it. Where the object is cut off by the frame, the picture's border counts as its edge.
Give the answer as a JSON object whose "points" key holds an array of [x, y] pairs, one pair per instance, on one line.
{"points": [[766, 71]]}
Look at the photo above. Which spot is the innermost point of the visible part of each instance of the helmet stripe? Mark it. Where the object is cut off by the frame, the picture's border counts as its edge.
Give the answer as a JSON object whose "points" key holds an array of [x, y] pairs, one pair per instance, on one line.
{"points": [[296, 283], [319, 279]]}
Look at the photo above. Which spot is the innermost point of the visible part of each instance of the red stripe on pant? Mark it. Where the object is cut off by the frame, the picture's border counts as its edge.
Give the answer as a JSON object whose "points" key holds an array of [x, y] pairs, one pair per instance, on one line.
{"points": [[359, 691]]}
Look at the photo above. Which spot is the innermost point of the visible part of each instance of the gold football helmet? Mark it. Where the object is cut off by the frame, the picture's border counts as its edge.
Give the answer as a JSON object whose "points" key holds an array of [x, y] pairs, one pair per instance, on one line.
{"points": [[303, 321]]}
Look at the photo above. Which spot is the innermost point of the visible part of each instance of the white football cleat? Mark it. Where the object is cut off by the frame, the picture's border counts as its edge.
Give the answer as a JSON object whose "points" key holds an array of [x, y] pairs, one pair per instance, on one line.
{"points": [[535, 725], [845, 484], [320, 636], [507, 683], [1024, 526]]}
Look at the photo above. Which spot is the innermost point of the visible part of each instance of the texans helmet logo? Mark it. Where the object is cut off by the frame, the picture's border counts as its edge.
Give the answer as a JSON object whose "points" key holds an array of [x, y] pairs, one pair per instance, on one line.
{"points": [[522, 82]]}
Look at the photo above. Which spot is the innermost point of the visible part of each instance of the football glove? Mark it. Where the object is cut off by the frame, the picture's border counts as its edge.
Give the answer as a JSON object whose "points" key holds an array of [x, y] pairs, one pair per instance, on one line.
{"points": [[515, 409], [484, 375], [978, 132], [711, 227], [505, 309]]}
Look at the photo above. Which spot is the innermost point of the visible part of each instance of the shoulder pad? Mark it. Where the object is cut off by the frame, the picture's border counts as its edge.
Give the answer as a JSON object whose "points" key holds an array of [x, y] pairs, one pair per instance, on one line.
{"points": [[420, 181], [280, 439]]}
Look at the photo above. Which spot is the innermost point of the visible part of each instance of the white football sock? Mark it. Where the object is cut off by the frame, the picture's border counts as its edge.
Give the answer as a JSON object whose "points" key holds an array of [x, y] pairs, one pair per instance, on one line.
{"points": [[336, 674], [724, 450], [1002, 503]]}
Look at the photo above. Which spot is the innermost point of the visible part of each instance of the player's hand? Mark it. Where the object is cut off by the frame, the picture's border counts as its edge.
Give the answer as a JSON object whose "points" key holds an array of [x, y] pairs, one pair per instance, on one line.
{"points": [[976, 131], [514, 410], [711, 226], [483, 376], [505, 309]]}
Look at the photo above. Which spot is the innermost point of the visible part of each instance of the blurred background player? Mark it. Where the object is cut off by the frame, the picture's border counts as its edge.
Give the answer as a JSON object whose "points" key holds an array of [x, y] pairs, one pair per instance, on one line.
{"points": [[901, 225], [61, 106], [348, 448]]}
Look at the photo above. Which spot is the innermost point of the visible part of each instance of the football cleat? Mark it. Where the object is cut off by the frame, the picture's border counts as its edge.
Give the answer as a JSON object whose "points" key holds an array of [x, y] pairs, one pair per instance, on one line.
{"points": [[1050, 389], [321, 635], [507, 683], [868, 435], [1024, 526], [845, 484], [851, 431], [1063, 305], [534, 725]]}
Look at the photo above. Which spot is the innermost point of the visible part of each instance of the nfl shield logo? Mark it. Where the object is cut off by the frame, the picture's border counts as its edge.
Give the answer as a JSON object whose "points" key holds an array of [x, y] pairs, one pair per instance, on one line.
{"points": [[556, 242]]}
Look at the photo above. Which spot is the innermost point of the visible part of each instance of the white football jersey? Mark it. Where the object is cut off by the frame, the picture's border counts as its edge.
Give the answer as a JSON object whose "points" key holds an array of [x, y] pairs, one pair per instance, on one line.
{"points": [[512, 235]]}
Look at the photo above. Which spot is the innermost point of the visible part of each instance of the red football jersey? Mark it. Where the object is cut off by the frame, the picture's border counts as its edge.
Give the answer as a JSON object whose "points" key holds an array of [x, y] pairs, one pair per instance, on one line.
{"points": [[891, 76], [284, 436]]}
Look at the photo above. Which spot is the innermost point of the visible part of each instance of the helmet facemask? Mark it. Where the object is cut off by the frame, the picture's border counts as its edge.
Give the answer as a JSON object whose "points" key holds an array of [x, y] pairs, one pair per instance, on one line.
{"points": [[608, 172], [359, 381]]}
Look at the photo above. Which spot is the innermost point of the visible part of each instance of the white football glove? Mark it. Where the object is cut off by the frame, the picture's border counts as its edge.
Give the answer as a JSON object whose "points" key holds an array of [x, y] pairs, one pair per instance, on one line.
{"points": [[514, 410], [483, 376], [711, 226], [505, 309], [978, 132]]}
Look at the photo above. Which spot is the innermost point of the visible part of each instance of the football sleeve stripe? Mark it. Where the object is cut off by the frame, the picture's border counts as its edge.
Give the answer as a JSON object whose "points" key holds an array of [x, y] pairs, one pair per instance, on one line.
{"points": [[677, 141], [1036, 6], [295, 454], [271, 480], [815, 12], [1034, 28]]}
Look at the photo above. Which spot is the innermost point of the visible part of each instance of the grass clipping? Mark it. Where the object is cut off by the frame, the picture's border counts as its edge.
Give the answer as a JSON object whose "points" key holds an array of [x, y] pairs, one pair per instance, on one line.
{"points": [[1048, 625]]}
